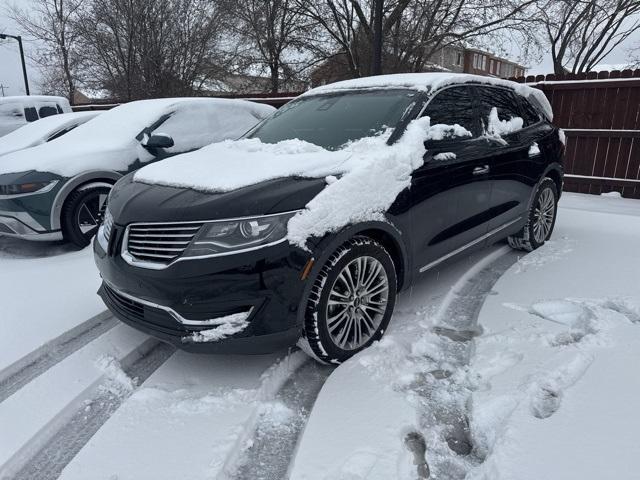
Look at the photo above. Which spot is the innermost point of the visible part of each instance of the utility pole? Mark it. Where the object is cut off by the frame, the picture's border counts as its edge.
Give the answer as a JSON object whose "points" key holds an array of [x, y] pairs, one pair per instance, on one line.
{"points": [[2, 87], [376, 61], [4, 36]]}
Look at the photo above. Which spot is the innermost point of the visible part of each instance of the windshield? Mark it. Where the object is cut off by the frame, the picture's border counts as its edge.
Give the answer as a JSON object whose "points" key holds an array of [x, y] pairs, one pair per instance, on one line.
{"points": [[332, 120]]}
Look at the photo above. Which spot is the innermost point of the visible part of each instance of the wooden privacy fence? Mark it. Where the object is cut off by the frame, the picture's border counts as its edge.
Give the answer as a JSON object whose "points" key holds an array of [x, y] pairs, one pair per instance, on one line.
{"points": [[600, 115]]}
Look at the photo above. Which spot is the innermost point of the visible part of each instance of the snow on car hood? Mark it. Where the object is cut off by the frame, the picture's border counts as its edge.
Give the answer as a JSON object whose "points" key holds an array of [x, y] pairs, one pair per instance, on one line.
{"points": [[108, 141], [36, 133], [370, 173], [229, 165]]}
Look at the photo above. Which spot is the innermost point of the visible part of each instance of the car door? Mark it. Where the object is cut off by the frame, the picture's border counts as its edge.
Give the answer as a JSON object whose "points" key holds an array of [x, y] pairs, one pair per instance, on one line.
{"points": [[511, 174], [450, 193]]}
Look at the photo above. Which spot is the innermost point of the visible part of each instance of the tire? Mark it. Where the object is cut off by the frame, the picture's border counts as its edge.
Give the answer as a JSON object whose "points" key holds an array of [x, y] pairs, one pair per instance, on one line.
{"points": [[81, 213], [337, 331], [542, 218]]}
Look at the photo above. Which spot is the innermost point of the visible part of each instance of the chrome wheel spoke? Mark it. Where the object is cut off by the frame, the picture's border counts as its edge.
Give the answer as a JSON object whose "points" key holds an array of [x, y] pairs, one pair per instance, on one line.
{"points": [[543, 215], [357, 302]]}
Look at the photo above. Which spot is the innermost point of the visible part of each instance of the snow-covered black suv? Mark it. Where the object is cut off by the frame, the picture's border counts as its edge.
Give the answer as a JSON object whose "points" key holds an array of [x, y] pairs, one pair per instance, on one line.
{"points": [[306, 228]]}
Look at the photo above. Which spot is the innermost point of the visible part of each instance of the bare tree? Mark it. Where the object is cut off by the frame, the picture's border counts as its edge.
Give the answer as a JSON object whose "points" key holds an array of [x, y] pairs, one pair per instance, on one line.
{"points": [[152, 48], [51, 22], [581, 33], [413, 30], [273, 30]]}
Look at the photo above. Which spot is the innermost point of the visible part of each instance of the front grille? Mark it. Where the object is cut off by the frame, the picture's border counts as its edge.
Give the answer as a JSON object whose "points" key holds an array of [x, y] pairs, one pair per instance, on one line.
{"points": [[130, 308], [160, 243]]}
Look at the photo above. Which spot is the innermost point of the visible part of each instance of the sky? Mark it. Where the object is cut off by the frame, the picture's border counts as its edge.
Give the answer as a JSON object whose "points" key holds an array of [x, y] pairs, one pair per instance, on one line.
{"points": [[11, 70]]}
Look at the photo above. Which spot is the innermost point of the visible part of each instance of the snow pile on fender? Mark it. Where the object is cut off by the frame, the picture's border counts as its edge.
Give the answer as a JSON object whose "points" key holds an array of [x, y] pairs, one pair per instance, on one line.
{"points": [[375, 176]]}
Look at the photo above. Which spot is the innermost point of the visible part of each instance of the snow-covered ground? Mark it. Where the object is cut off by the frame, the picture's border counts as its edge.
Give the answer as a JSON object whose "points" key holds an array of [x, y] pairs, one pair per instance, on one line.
{"points": [[496, 366]]}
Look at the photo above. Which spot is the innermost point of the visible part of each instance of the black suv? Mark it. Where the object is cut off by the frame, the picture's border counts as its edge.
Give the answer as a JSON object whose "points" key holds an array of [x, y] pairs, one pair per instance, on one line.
{"points": [[217, 271]]}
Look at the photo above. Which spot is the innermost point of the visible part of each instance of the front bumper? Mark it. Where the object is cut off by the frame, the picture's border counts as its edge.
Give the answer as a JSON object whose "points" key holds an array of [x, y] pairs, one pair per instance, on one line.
{"points": [[22, 225], [174, 303]]}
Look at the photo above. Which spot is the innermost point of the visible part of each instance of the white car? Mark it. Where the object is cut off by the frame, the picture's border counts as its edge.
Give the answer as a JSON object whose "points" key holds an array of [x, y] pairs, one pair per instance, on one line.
{"points": [[20, 110], [43, 131], [56, 190]]}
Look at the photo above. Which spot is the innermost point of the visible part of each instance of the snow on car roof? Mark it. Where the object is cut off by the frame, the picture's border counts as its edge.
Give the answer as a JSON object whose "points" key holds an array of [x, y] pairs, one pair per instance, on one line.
{"points": [[33, 98], [34, 133], [431, 82]]}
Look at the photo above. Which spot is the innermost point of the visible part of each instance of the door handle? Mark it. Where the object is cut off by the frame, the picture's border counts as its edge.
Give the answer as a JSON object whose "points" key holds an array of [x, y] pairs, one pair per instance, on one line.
{"points": [[481, 170]]}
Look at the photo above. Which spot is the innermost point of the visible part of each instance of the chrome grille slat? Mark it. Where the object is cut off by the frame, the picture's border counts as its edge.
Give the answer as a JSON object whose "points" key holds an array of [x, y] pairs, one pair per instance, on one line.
{"points": [[146, 229], [160, 243], [157, 249], [160, 235]]}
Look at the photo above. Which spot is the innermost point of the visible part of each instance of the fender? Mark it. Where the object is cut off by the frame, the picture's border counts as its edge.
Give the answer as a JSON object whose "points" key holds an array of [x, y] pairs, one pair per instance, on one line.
{"points": [[554, 166], [71, 185]]}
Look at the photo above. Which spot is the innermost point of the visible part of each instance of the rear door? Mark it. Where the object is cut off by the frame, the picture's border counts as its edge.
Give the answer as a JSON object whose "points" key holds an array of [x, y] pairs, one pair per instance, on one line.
{"points": [[508, 133], [450, 193]]}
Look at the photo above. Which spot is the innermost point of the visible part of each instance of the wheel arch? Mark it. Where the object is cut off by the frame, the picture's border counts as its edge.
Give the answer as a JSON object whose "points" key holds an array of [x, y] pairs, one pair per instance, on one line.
{"points": [[104, 176], [383, 232], [554, 172]]}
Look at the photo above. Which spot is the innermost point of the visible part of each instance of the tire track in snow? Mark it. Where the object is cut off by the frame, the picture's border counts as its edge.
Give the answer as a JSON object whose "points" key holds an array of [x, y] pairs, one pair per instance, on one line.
{"points": [[34, 364], [63, 445], [272, 445], [458, 323]]}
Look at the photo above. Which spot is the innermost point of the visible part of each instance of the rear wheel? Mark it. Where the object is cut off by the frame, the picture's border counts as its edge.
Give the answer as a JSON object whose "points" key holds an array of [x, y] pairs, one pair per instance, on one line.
{"points": [[542, 218], [351, 302], [82, 211]]}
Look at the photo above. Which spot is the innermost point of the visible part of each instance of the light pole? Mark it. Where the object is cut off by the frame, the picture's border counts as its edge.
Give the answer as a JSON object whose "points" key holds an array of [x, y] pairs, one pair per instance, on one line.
{"points": [[376, 61], [4, 36]]}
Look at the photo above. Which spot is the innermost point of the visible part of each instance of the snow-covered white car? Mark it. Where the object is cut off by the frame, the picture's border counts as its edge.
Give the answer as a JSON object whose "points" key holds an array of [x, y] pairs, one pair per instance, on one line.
{"points": [[20, 110], [56, 190], [43, 131], [309, 226]]}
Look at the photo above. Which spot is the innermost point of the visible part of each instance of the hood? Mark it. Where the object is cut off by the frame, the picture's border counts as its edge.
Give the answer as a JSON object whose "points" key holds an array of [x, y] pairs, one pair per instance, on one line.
{"points": [[230, 165], [132, 201]]}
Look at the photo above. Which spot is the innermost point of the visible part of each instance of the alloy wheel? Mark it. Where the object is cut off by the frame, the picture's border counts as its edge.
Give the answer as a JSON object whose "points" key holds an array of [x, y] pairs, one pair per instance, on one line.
{"points": [[89, 212], [543, 215], [357, 302]]}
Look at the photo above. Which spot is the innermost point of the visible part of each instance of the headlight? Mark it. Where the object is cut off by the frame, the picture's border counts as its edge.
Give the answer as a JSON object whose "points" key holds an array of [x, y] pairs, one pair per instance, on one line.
{"points": [[27, 188], [104, 232], [232, 236]]}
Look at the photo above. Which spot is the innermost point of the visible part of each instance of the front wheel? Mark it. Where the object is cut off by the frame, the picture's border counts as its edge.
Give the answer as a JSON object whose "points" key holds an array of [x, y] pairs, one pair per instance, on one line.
{"points": [[542, 218], [81, 213], [351, 302]]}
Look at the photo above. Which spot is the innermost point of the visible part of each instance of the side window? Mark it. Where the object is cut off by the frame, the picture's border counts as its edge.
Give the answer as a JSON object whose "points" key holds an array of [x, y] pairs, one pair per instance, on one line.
{"points": [[47, 111], [30, 114], [13, 111], [453, 106], [59, 108], [499, 110], [529, 113]]}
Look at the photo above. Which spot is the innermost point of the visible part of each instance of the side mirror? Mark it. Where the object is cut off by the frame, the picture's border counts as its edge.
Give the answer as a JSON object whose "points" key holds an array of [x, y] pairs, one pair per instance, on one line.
{"points": [[158, 140]]}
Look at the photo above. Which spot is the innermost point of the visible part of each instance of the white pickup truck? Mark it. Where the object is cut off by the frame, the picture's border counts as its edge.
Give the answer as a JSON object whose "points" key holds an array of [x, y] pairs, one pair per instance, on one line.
{"points": [[20, 110]]}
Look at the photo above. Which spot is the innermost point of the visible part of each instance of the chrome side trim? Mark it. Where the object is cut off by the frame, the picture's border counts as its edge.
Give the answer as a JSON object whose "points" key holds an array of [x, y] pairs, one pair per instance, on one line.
{"points": [[468, 245], [179, 318]]}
